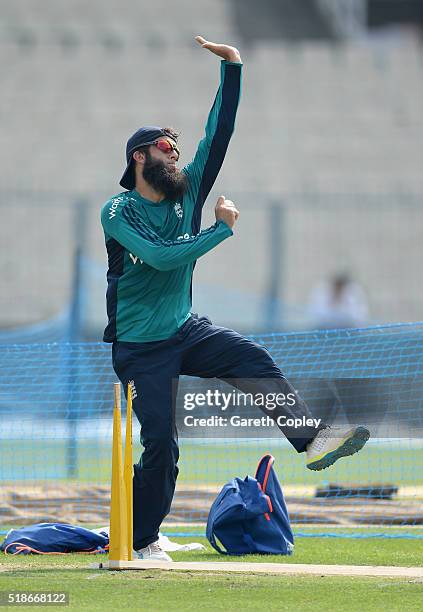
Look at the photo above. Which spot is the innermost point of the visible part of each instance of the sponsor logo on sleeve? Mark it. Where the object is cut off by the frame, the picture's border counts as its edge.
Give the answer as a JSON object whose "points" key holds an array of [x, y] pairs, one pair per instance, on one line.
{"points": [[114, 205]]}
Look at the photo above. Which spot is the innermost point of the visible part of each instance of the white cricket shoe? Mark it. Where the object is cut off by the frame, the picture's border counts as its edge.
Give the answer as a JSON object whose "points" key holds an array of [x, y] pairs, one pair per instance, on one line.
{"points": [[332, 443], [152, 552]]}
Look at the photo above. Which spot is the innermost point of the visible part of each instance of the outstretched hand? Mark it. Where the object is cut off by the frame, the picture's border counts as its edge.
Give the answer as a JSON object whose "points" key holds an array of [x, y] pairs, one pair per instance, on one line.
{"points": [[230, 54]]}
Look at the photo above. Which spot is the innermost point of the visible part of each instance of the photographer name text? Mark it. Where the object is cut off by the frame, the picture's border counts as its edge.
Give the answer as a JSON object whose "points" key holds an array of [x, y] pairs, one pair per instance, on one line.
{"points": [[238, 421]]}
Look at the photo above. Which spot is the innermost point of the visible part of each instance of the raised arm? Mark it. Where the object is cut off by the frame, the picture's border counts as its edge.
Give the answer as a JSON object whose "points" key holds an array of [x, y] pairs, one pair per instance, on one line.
{"points": [[129, 230], [204, 168]]}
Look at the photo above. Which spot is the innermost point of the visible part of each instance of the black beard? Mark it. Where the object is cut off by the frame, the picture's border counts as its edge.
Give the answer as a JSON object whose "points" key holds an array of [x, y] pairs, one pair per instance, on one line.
{"points": [[171, 183]]}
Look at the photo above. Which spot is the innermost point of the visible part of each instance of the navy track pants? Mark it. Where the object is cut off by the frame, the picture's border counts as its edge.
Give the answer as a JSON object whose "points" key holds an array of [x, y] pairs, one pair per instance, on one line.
{"points": [[201, 349]]}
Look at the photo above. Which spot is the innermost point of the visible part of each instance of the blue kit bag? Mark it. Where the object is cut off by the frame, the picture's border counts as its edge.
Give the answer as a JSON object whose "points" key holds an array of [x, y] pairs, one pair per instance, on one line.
{"points": [[250, 516], [54, 538]]}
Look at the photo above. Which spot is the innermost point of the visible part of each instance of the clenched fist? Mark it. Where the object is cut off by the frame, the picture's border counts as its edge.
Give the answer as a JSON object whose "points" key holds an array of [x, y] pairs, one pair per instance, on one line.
{"points": [[226, 211]]}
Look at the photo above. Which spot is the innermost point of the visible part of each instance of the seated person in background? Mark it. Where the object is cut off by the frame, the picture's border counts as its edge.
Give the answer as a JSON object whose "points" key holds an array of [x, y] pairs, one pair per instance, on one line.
{"points": [[339, 302], [335, 304]]}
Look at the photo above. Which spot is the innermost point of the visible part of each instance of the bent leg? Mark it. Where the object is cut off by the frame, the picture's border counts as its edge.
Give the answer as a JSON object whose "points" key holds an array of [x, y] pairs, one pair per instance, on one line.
{"points": [[223, 353]]}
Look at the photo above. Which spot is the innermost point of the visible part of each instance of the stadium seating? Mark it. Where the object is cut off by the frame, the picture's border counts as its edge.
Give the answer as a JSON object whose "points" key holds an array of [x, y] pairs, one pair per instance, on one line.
{"points": [[315, 120]]}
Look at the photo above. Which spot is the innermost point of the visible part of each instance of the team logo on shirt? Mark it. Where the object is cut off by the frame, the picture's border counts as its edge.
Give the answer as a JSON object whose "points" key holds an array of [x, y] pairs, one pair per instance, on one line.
{"points": [[179, 210]]}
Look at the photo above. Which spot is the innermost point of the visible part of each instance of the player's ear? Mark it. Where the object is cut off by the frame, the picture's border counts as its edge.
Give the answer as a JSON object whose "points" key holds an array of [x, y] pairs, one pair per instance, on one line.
{"points": [[139, 156]]}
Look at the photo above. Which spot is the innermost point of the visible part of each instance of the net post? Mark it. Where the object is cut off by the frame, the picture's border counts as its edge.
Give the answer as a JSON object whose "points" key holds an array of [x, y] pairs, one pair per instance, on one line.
{"points": [[272, 316]]}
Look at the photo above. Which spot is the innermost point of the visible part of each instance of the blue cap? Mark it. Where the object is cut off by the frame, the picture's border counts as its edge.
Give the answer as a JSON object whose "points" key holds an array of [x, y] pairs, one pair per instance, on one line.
{"points": [[144, 136]]}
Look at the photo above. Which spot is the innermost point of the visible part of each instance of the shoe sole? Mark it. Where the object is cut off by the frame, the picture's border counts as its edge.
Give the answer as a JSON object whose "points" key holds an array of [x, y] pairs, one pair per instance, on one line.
{"points": [[152, 558], [350, 446]]}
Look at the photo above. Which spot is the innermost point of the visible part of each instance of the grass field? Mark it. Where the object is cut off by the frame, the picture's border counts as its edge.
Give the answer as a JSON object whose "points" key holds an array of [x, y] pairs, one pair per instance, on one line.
{"points": [[156, 590], [210, 464], [215, 463], [160, 590]]}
